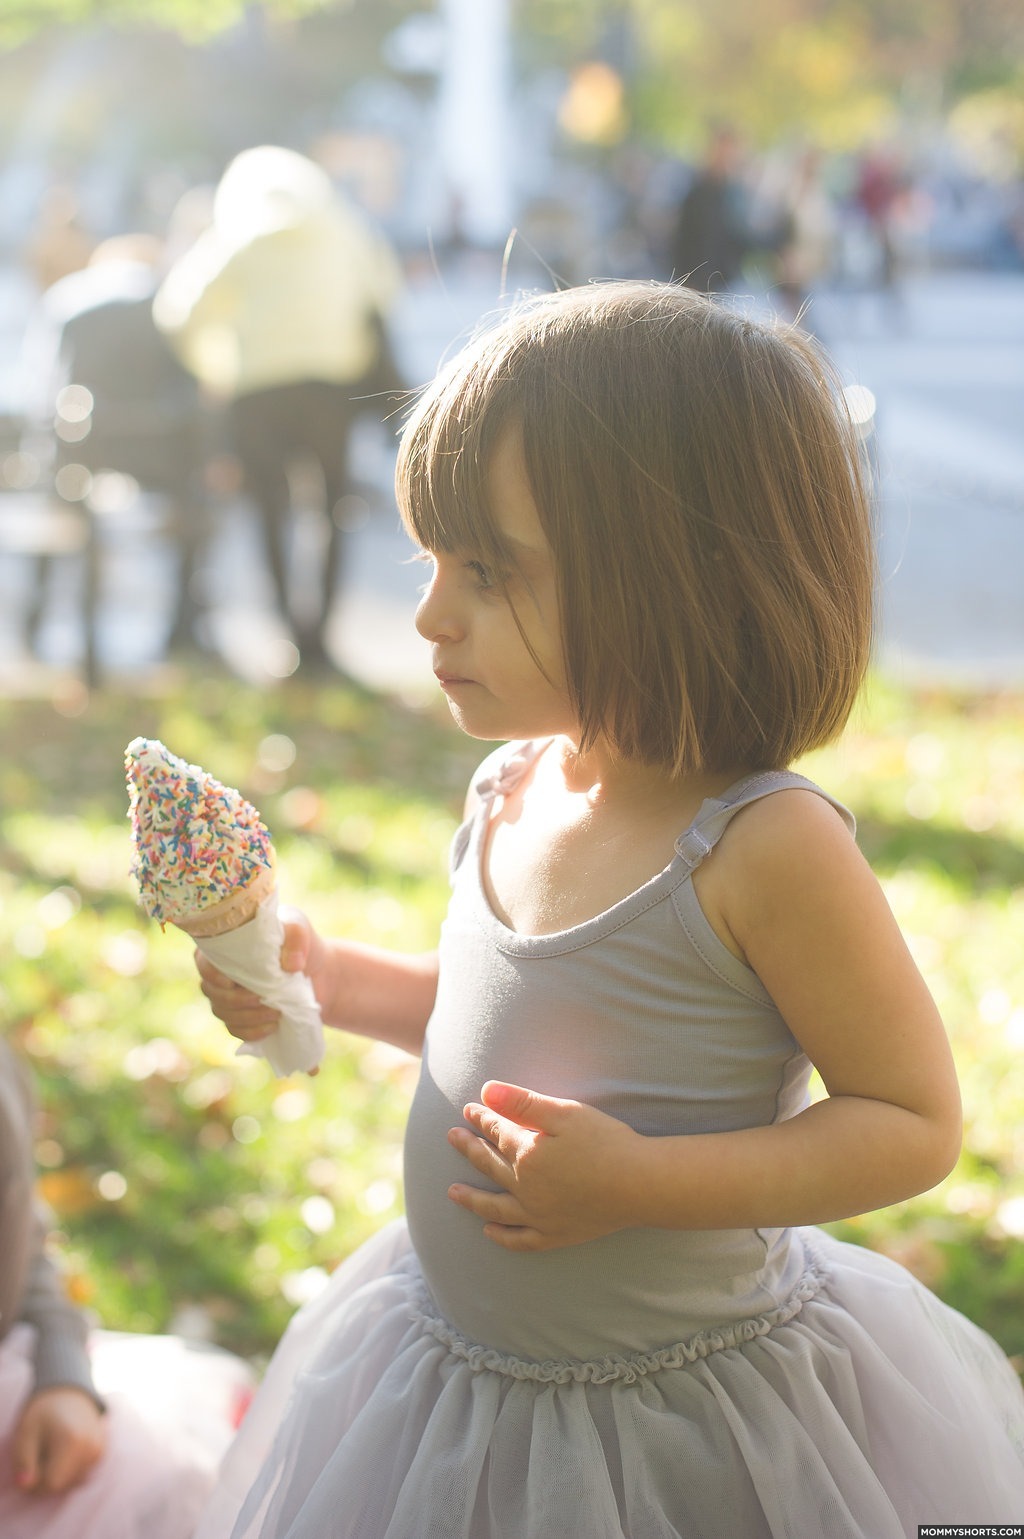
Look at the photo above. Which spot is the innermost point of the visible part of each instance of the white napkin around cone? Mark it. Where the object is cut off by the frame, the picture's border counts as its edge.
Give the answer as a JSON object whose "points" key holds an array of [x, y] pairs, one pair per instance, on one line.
{"points": [[250, 955]]}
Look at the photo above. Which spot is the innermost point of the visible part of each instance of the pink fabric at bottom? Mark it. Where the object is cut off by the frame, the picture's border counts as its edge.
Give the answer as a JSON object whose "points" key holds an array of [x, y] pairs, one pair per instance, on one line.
{"points": [[172, 1410]]}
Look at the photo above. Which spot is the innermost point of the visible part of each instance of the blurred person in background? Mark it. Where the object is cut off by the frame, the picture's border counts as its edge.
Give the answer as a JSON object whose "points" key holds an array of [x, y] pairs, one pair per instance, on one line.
{"points": [[105, 392], [281, 309], [59, 243], [101, 1434], [711, 233], [805, 232], [879, 187]]}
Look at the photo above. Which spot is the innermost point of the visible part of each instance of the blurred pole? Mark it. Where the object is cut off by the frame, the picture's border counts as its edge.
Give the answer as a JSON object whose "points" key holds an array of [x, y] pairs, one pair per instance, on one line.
{"points": [[473, 118], [91, 598]]}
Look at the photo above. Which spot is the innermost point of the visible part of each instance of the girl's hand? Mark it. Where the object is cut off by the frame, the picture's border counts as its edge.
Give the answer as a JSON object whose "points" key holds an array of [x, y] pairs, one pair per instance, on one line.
{"points": [[567, 1171], [61, 1435], [244, 1013]]}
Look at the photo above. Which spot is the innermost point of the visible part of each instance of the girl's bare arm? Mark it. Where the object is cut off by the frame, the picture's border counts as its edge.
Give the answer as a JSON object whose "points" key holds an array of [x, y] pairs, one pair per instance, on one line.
{"points": [[387, 995]]}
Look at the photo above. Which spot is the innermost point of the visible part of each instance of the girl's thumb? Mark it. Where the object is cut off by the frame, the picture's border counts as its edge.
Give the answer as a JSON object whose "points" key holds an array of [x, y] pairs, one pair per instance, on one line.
{"points": [[295, 946], [527, 1107]]}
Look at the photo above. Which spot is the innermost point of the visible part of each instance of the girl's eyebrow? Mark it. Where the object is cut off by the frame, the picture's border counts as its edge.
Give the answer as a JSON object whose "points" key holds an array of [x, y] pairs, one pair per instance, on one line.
{"points": [[526, 557], [518, 554]]}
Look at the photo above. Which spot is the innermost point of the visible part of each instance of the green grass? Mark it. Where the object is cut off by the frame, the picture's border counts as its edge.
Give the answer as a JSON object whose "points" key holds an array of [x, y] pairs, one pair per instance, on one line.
{"points": [[182, 1177]]}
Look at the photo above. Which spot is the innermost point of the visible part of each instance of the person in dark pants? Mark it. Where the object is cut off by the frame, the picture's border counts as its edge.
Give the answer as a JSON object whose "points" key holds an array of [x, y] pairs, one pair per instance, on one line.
{"points": [[108, 394], [710, 238], [269, 429], [280, 309]]}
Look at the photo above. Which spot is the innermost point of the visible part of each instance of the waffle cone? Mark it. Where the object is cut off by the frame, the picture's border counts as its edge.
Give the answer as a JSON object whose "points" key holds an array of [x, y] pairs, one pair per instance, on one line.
{"points": [[231, 912]]}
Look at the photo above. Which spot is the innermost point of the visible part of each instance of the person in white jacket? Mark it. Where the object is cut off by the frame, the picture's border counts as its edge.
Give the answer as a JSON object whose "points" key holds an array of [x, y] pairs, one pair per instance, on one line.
{"points": [[280, 310]]}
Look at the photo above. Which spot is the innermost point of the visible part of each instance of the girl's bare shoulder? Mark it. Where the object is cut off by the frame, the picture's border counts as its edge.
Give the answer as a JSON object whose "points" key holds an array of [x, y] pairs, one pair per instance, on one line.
{"points": [[789, 845], [795, 820]]}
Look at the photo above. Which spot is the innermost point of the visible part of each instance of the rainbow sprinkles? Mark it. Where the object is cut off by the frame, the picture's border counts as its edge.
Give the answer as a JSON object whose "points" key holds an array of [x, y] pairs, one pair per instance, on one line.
{"points": [[196, 842]]}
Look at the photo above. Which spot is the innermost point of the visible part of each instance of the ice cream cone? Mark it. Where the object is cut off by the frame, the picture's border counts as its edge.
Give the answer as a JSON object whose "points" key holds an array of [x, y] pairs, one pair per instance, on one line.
{"points": [[204, 862], [230, 913]]}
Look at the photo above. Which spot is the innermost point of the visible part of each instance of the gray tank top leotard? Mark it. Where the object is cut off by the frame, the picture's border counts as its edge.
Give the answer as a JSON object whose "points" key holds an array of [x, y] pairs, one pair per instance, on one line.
{"points": [[645, 1014]]}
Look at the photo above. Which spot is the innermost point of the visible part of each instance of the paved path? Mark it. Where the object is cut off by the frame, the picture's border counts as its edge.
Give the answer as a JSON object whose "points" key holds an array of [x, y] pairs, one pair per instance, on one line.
{"points": [[946, 368], [948, 374]]}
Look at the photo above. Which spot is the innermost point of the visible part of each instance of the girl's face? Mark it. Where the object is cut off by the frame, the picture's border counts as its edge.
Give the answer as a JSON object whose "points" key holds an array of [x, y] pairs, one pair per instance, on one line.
{"points": [[496, 689]]}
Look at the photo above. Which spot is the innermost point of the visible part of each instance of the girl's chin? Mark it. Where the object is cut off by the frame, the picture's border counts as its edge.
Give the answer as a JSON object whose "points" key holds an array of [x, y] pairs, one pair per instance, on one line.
{"points": [[489, 724], [482, 724], [478, 713]]}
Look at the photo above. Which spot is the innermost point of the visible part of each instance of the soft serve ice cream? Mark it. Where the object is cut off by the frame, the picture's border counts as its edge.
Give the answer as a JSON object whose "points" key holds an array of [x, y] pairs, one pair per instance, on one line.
{"points": [[204, 861], [202, 856]]}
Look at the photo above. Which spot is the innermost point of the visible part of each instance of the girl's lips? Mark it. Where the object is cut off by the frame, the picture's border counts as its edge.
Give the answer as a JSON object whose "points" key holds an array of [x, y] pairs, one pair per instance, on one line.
{"points": [[450, 680]]}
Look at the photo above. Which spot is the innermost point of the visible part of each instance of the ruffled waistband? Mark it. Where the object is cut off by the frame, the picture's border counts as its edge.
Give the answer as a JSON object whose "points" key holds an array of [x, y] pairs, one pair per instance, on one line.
{"points": [[625, 1368]]}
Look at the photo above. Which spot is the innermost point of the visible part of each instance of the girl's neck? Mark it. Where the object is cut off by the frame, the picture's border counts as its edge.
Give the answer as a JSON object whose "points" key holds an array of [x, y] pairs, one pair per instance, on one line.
{"points": [[605, 778], [580, 832]]}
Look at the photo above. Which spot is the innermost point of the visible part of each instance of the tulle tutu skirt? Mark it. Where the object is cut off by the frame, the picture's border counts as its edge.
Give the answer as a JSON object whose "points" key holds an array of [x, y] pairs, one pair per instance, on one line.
{"points": [[864, 1408], [173, 1409]]}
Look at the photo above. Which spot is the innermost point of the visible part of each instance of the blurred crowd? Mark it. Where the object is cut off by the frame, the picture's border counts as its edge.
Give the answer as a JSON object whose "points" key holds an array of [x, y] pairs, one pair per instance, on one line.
{"points": [[788, 219], [230, 354], [250, 336]]}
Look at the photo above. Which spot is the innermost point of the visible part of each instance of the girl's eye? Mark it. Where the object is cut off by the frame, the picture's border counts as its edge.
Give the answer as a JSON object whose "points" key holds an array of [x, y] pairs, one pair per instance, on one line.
{"points": [[485, 579], [484, 576]]}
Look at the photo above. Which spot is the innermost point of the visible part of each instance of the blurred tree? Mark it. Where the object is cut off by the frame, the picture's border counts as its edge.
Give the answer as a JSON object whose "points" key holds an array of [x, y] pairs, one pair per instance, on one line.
{"points": [[830, 69], [126, 93], [194, 19]]}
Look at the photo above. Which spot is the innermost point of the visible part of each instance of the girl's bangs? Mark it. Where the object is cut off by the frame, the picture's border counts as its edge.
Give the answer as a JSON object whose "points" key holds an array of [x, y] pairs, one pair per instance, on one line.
{"points": [[444, 458]]}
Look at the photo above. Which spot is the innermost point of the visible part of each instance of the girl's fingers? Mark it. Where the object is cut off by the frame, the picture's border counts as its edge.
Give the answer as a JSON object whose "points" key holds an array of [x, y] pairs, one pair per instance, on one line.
{"points": [[527, 1108], [477, 1115], [494, 1207], [242, 1012], [483, 1156], [26, 1459], [497, 1130], [251, 1033], [503, 1218], [63, 1468], [210, 973], [250, 1023], [517, 1237], [225, 992]]}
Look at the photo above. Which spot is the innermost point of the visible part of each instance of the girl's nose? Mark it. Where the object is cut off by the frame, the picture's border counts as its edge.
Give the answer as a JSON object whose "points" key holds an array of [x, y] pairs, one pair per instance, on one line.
{"points": [[437, 617]]}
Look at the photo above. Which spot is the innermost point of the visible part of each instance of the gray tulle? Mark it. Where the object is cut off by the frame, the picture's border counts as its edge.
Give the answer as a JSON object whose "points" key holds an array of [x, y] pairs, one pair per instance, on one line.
{"points": [[865, 1409]]}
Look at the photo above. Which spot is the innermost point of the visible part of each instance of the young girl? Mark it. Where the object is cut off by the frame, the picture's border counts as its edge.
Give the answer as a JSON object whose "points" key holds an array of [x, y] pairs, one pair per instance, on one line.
{"points": [[650, 568]]}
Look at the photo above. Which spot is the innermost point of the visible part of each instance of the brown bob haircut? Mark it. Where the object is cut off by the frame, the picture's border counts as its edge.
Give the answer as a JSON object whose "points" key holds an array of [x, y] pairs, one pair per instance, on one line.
{"points": [[699, 483]]}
